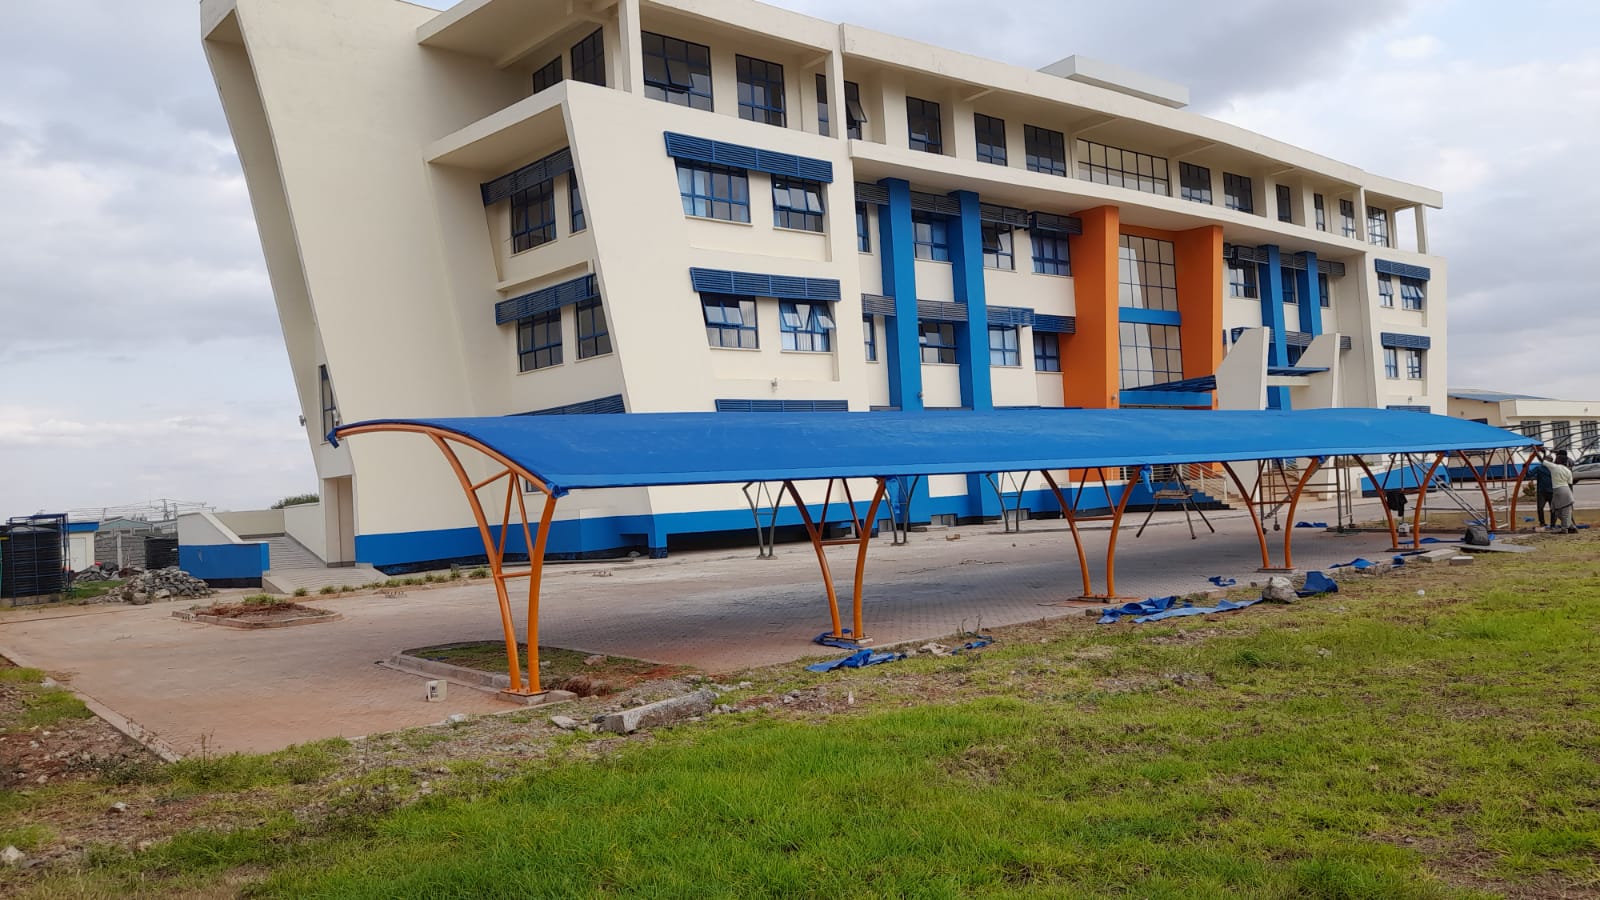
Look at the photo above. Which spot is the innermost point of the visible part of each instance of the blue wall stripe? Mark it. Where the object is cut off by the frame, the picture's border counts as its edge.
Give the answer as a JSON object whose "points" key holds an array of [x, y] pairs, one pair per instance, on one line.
{"points": [[897, 253], [734, 405], [1410, 408], [544, 300], [611, 405], [1149, 316], [1055, 324], [683, 146], [1010, 315], [1164, 398], [1308, 293], [936, 311], [1407, 341], [1403, 270], [1270, 281], [557, 163], [757, 284]]}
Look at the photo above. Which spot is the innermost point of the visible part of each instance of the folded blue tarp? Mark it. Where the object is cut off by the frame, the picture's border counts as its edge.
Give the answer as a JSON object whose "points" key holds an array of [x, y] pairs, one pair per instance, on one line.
{"points": [[1221, 581], [1311, 524], [1317, 583], [1359, 564], [844, 643], [857, 660], [1158, 608]]}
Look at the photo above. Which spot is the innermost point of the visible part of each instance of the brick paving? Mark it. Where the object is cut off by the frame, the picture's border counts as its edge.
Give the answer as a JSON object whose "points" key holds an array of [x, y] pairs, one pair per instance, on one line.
{"points": [[716, 610]]}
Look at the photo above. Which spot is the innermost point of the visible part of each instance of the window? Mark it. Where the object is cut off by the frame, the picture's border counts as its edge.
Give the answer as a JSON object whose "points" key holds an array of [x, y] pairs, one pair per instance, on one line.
{"points": [[547, 76], [1322, 212], [938, 340], [854, 114], [997, 252], [1047, 150], [1147, 277], [1377, 226], [1051, 255], [806, 326], [1150, 354], [760, 91], [1242, 280], [1046, 352], [677, 71], [1324, 292], [539, 341], [730, 321], [869, 330], [714, 192], [589, 59], [931, 236], [1124, 168], [1533, 429], [863, 229], [1285, 204], [330, 406], [593, 337], [1561, 434], [796, 203], [1411, 295], [1291, 286], [1391, 363], [1194, 182], [575, 203], [922, 121], [1004, 346], [1591, 435], [1385, 290], [991, 138], [1414, 365], [1347, 218], [533, 216], [822, 105], [1238, 192]]}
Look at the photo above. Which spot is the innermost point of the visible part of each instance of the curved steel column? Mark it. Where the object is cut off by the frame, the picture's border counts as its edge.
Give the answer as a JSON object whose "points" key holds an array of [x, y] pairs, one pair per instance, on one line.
{"points": [[1255, 519], [1069, 512], [1294, 502], [822, 557]]}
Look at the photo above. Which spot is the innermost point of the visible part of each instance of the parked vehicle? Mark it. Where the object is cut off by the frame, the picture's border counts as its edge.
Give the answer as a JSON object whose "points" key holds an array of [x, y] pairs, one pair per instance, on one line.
{"points": [[1587, 467]]}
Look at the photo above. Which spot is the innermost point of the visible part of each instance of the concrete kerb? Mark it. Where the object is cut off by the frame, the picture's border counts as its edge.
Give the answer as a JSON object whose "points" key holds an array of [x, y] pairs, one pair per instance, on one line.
{"points": [[487, 682], [131, 729]]}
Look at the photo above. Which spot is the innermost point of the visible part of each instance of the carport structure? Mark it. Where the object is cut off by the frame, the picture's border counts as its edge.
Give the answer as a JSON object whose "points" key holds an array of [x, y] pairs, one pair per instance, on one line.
{"points": [[557, 455]]}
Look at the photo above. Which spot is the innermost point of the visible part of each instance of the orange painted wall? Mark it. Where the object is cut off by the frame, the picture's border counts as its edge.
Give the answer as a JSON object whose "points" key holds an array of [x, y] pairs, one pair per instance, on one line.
{"points": [[1089, 357]]}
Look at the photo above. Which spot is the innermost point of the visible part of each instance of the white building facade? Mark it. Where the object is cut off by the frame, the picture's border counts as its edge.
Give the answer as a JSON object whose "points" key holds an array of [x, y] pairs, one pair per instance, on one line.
{"points": [[1570, 425], [630, 206]]}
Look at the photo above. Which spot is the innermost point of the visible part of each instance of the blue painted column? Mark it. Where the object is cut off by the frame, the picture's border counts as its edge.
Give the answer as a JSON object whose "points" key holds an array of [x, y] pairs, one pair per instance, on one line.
{"points": [[1270, 285], [1310, 294], [897, 251], [972, 338]]}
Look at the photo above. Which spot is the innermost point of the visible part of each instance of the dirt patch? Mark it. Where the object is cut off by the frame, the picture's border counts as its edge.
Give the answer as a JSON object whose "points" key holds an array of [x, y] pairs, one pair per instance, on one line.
{"points": [[247, 614], [584, 674]]}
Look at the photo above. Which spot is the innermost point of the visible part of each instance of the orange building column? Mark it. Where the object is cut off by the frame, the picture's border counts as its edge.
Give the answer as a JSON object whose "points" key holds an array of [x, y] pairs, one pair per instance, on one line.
{"points": [[1198, 253], [1089, 366]]}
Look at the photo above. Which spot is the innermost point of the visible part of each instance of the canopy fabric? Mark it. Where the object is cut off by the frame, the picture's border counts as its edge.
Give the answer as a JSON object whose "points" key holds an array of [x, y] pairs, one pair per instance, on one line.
{"points": [[658, 449]]}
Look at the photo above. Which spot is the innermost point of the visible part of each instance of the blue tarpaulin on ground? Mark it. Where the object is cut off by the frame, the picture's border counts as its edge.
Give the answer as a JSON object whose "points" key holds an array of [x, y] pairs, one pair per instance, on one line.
{"points": [[855, 660], [649, 449], [1318, 583], [1157, 608], [1311, 524], [1360, 563], [1222, 581]]}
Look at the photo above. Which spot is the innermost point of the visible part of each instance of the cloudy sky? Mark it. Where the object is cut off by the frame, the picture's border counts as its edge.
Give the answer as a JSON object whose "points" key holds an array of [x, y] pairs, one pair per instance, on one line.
{"points": [[140, 352]]}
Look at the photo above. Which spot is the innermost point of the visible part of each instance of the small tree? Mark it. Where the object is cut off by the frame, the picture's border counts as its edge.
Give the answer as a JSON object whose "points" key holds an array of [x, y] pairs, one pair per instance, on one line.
{"points": [[297, 500]]}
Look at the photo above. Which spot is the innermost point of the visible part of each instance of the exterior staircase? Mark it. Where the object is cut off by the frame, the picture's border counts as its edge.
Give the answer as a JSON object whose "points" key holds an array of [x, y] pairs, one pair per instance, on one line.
{"points": [[294, 567]]}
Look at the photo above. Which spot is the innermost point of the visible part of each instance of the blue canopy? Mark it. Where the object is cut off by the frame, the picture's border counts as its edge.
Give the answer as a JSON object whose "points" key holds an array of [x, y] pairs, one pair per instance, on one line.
{"points": [[653, 449]]}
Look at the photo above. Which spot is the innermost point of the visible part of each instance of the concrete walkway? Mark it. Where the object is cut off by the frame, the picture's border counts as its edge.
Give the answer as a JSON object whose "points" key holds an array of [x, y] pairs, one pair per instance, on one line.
{"points": [[715, 610]]}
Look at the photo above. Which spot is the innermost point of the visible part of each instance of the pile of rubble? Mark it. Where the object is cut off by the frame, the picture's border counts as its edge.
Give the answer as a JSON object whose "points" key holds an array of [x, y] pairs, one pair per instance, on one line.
{"points": [[161, 584]]}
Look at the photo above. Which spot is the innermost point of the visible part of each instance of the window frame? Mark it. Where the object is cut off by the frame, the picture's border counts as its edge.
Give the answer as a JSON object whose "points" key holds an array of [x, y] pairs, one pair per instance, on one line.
{"points": [[547, 76], [863, 228], [944, 350], [1046, 351], [1008, 354], [330, 403], [528, 232], [666, 51], [693, 198], [929, 115], [1385, 290], [786, 214], [1001, 254], [530, 330], [1413, 294], [591, 68], [1289, 285], [772, 86], [1035, 139], [1347, 218], [1135, 263], [985, 131], [824, 112], [1145, 351], [1391, 363], [596, 341], [1321, 209], [1415, 365], [869, 328], [808, 332], [855, 114], [936, 248], [1200, 190], [1158, 181], [576, 217], [1324, 290], [1247, 286], [1232, 198], [718, 330], [1378, 226], [1051, 263], [1285, 196]]}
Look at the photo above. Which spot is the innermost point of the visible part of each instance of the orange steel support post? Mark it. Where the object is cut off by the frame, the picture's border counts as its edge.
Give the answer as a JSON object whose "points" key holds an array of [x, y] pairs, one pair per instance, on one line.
{"points": [[1483, 486], [864, 540], [1070, 513], [1422, 497], [495, 550], [1255, 518], [1383, 500], [1111, 548], [1294, 501], [815, 534], [1516, 491]]}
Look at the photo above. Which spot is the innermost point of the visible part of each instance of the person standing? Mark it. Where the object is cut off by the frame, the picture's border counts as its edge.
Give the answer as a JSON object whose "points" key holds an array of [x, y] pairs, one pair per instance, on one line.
{"points": [[1561, 498], [1543, 493]]}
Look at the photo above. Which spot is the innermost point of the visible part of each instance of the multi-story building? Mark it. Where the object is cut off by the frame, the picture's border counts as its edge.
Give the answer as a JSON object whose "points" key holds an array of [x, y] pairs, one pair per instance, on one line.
{"points": [[558, 206], [1570, 425]]}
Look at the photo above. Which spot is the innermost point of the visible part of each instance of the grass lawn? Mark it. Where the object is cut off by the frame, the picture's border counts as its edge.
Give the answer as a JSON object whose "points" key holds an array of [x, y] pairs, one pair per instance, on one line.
{"points": [[1373, 743]]}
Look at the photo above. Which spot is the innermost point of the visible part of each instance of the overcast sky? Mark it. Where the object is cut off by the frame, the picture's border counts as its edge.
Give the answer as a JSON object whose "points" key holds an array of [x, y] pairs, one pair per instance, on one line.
{"points": [[140, 355]]}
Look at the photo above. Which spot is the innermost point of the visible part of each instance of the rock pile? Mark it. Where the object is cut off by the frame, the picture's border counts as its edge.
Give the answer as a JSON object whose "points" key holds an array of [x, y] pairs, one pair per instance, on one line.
{"points": [[162, 584]]}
